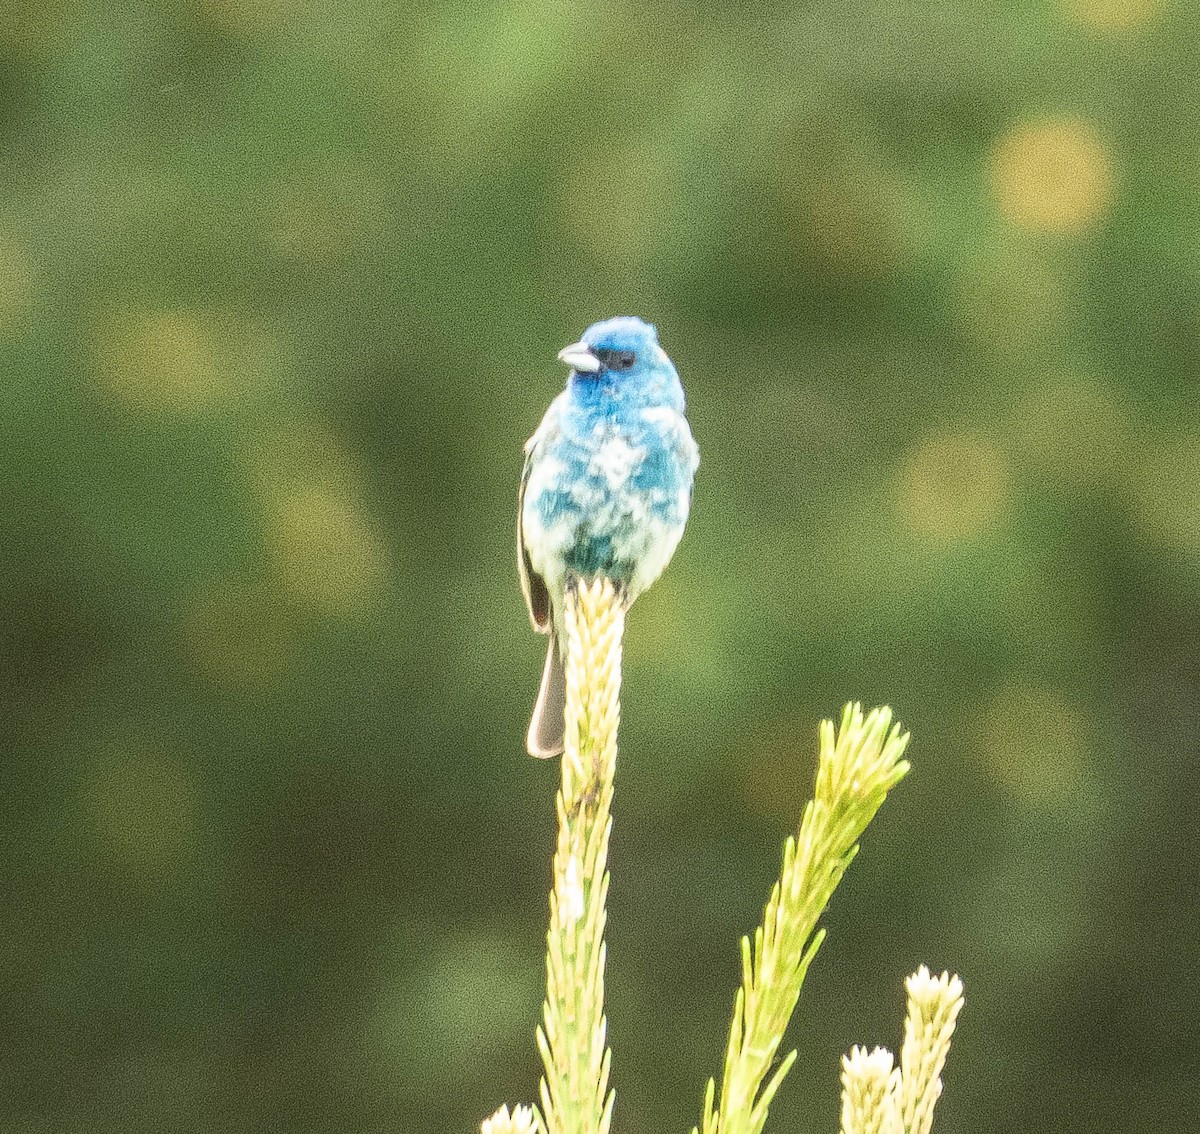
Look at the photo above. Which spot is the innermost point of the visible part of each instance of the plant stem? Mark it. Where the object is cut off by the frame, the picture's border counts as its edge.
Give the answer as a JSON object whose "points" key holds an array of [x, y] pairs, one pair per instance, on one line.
{"points": [[573, 1039], [859, 763]]}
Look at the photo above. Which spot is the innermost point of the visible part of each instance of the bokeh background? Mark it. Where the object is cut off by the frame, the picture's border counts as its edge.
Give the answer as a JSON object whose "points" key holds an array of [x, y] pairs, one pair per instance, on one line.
{"points": [[281, 286]]}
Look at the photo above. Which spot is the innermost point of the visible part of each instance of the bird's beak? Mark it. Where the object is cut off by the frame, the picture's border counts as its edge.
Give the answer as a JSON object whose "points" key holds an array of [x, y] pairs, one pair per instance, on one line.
{"points": [[579, 357]]}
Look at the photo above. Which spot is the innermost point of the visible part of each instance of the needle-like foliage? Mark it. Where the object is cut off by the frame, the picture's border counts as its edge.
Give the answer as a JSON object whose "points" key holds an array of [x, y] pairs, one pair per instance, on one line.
{"points": [[573, 1036], [933, 1007], [871, 1087], [880, 1099], [520, 1121], [859, 763]]}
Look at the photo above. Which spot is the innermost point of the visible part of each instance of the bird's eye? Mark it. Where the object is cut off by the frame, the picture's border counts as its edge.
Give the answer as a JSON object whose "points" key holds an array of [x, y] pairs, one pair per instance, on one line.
{"points": [[616, 359]]}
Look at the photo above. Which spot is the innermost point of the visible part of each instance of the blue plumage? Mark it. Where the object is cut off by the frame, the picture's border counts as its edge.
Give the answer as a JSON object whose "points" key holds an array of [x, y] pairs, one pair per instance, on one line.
{"points": [[606, 488]]}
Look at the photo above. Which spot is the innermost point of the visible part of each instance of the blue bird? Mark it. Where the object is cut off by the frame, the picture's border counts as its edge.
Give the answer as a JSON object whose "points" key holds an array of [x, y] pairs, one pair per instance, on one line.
{"points": [[606, 489]]}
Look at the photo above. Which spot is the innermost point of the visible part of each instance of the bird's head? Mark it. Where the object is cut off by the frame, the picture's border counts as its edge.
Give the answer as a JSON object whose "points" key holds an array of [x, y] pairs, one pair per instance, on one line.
{"points": [[624, 349]]}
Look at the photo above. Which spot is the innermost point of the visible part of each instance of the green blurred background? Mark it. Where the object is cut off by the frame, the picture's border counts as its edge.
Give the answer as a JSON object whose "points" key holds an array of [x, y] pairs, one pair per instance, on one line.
{"points": [[281, 286]]}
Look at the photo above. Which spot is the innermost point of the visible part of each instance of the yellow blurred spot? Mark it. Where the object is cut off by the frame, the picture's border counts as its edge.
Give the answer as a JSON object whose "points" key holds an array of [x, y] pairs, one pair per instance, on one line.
{"points": [[1034, 743], [325, 550], [16, 282], [180, 360], [1009, 298], [304, 453], [143, 803], [1167, 497], [1053, 175], [618, 218], [953, 487], [160, 361], [323, 545], [1114, 15], [1073, 431], [239, 635]]}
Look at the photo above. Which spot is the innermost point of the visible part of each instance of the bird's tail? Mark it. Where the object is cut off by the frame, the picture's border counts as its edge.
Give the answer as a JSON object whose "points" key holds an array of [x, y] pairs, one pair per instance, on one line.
{"points": [[546, 728]]}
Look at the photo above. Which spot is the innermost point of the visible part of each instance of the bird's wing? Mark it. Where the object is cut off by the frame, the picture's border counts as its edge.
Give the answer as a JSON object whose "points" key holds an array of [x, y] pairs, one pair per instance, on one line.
{"points": [[533, 586]]}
